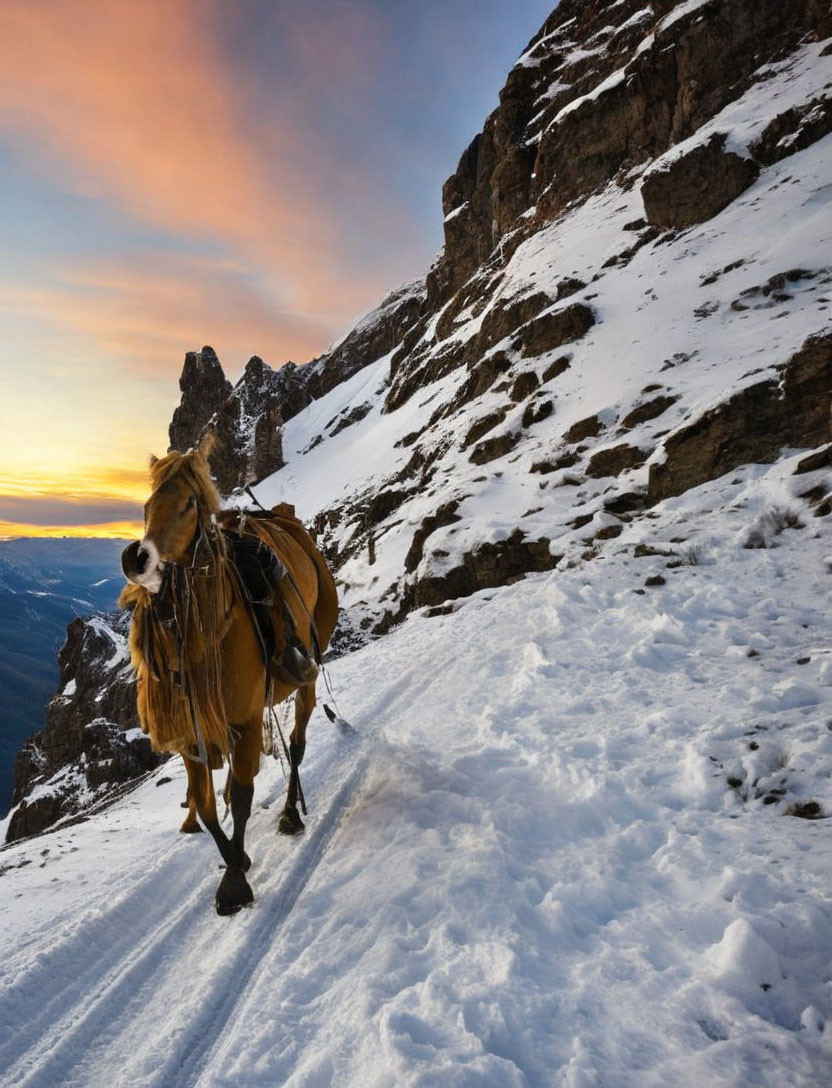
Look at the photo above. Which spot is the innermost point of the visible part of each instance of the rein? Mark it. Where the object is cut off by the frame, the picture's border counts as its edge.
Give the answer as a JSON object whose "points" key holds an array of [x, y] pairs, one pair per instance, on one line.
{"points": [[183, 627], [201, 537]]}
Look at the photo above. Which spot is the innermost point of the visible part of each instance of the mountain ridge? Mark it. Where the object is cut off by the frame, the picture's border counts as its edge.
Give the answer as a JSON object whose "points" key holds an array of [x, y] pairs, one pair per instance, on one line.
{"points": [[43, 583]]}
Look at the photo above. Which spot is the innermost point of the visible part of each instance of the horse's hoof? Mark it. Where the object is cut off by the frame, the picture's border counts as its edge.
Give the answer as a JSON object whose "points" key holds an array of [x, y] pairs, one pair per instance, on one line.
{"points": [[190, 827], [290, 822], [234, 892]]}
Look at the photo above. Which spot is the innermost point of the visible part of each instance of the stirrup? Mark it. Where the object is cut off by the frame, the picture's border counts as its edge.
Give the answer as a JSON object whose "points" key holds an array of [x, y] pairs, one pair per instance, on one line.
{"points": [[298, 663]]}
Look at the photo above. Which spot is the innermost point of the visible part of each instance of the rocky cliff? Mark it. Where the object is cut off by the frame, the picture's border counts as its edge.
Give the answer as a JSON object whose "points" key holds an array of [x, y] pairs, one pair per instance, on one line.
{"points": [[91, 743], [632, 299], [602, 89]]}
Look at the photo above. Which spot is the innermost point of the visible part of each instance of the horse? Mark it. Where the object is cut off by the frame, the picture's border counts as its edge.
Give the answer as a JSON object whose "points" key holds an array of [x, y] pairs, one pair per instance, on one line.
{"points": [[197, 649]]}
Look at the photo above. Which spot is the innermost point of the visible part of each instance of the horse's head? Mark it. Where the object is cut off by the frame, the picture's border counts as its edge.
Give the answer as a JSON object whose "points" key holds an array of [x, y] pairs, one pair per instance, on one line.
{"points": [[181, 503]]}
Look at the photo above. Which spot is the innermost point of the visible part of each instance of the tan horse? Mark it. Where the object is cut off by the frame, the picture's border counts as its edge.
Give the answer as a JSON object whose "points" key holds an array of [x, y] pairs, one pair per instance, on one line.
{"points": [[202, 682]]}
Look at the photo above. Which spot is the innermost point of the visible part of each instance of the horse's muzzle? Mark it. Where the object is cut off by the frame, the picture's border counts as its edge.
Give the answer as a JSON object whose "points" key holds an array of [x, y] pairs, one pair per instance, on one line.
{"points": [[140, 563]]}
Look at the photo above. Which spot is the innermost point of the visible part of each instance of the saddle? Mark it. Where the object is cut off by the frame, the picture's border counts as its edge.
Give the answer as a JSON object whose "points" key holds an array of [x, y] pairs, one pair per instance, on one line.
{"points": [[267, 587]]}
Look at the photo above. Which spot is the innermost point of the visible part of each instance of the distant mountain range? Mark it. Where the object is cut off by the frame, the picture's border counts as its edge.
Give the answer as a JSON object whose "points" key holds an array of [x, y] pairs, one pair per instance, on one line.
{"points": [[44, 583]]}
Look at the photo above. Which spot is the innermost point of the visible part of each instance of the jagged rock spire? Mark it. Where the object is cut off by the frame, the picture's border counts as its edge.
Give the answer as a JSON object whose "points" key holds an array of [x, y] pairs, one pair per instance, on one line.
{"points": [[205, 389]]}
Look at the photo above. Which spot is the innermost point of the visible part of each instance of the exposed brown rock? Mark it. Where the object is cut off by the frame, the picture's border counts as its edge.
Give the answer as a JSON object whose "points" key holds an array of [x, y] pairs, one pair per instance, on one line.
{"points": [[523, 386], [552, 330], [565, 460], [267, 447], [647, 410], [794, 130], [482, 376], [492, 448], [537, 411], [411, 371], [753, 425], [445, 515], [204, 389], [821, 458], [697, 185], [628, 502], [590, 427], [485, 567], [482, 426], [556, 368], [581, 521], [609, 532], [615, 460]]}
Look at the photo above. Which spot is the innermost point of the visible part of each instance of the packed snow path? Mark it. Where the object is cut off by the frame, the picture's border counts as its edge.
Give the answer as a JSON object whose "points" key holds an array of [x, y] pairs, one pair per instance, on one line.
{"points": [[556, 853]]}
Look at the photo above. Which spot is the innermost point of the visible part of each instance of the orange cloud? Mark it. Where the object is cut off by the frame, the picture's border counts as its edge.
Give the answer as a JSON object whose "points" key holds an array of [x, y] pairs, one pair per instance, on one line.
{"points": [[120, 530], [79, 484], [137, 101], [146, 313]]}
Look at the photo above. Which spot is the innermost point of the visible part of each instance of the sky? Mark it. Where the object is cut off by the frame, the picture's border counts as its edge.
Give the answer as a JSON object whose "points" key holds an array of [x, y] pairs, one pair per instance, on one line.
{"points": [[250, 175]]}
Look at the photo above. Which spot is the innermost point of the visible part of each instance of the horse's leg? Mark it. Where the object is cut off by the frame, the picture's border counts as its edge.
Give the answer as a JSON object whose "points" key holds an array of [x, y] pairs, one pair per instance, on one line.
{"points": [[234, 891], [201, 794], [226, 793], [245, 763], [290, 822], [191, 824]]}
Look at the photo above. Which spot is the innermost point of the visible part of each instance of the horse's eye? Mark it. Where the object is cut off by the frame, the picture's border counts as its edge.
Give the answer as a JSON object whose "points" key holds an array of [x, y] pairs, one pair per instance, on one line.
{"points": [[190, 504]]}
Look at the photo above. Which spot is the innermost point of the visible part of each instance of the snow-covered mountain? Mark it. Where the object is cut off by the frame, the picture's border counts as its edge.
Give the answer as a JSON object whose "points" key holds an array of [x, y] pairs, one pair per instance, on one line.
{"points": [[43, 584], [90, 745], [576, 485], [649, 311]]}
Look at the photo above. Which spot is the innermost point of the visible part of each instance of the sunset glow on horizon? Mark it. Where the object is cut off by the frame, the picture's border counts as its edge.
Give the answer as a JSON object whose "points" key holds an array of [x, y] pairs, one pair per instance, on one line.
{"points": [[174, 174], [116, 530]]}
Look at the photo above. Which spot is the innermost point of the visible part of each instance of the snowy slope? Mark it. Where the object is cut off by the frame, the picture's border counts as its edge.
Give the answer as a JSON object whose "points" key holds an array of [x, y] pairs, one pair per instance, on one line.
{"points": [[690, 317], [558, 850]]}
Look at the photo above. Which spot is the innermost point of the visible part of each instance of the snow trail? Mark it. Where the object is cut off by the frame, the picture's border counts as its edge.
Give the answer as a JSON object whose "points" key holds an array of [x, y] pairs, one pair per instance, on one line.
{"points": [[557, 853], [163, 948]]}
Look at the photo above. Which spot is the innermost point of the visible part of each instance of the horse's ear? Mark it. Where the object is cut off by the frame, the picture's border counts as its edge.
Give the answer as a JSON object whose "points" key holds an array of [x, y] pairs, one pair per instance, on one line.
{"points": [[153, 460], [206, 444]]}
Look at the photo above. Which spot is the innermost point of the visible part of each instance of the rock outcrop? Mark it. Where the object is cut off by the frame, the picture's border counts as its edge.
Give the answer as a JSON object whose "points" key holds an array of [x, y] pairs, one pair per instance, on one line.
{"points": [[91, 743], [697, 185], [602, 89], [247, 418], [204, 388], [753, 425]]}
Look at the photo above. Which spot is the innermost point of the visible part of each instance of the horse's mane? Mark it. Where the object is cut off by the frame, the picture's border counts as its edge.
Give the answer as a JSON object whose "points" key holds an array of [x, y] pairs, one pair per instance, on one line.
{"points": [[176, 635], [193, 465]]}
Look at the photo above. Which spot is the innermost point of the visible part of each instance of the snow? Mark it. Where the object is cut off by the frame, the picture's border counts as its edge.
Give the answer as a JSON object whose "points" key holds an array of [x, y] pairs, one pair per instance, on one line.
{"points": [[680, 11], [650, 331], [527, 866], [612, 80], [635, 19], [455, 212], [806, 75], [121, 651]]}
